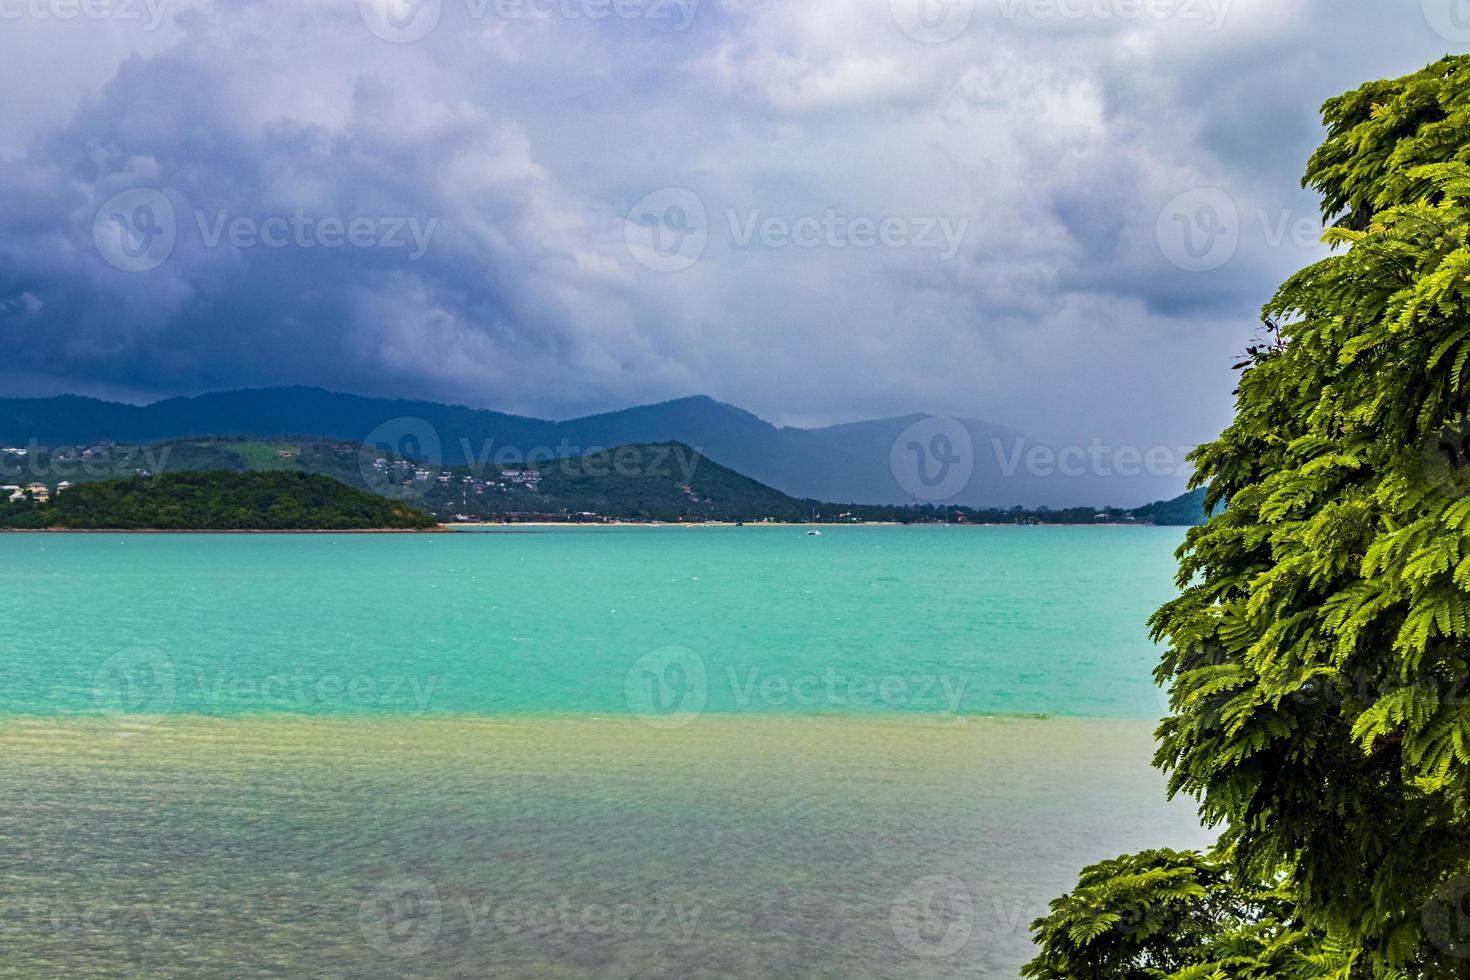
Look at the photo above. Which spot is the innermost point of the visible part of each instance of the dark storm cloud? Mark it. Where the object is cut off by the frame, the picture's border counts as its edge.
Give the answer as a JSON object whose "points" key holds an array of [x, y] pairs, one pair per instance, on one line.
{"points": [[492, 164]]}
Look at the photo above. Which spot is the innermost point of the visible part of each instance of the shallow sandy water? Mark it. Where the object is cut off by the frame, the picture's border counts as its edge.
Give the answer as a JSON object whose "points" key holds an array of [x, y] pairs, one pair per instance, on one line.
{"points": [[745, 846]]}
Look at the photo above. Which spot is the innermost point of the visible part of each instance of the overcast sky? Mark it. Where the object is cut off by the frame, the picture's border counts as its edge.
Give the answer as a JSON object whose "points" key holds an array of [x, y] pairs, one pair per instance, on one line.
{"points": [[1061, 215]]}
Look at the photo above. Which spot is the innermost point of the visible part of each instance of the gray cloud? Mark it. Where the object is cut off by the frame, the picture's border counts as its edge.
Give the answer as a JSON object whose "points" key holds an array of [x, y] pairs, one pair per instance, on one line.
{"points": [[520, 143]]}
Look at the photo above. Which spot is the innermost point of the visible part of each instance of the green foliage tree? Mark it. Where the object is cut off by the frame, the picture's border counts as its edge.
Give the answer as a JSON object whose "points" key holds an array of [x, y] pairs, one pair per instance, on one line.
{"points": [[1317, 652], [1180, 915]]}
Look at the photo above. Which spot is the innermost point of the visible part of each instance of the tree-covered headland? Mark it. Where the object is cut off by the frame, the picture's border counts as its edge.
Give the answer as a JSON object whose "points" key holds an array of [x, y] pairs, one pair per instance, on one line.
{"points": [[216, 501]]}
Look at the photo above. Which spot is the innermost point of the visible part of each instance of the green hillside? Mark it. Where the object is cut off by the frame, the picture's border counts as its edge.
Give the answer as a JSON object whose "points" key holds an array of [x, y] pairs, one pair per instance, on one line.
{"points": [[668, 482], [1187, 510], [216, 501]]}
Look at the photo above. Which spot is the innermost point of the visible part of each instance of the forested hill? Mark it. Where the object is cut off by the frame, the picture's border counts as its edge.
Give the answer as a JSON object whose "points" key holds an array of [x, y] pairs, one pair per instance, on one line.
{"points": [[216, 501], [650, 482], [850, 461], [1187, 510]]}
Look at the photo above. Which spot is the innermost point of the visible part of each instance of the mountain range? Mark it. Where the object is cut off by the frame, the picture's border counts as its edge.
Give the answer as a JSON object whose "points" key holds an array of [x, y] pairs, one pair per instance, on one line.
{"points": [[880, 461], [662, 483]]}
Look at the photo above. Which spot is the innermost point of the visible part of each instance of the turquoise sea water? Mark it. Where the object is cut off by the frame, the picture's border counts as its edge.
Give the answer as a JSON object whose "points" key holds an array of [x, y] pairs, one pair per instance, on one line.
{"points": [[568, 753], [933, 620]]}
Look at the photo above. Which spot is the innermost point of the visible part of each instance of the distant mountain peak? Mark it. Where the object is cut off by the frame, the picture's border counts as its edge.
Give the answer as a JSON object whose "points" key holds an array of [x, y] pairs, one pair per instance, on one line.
{"points": [[853, 461]]}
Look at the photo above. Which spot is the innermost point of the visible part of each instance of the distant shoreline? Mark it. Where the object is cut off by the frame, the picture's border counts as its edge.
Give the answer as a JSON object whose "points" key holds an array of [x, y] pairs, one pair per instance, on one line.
{"points": [[688, 524], [454, 525], [462, 525], [438, 529]]}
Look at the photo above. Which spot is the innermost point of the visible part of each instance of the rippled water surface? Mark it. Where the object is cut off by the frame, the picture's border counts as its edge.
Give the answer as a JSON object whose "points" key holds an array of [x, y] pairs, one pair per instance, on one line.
{"points": [[747, 847], [583, 754]]}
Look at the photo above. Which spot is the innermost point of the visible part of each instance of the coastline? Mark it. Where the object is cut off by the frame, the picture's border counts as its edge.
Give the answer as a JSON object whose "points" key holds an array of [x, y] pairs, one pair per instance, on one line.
{"points": [[451, 525], [456, 525], [437, 529]]}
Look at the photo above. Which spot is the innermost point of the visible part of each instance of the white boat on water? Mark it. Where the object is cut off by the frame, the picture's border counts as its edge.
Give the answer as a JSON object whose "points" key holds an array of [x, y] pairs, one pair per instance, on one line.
{"points": [[814, 534]]}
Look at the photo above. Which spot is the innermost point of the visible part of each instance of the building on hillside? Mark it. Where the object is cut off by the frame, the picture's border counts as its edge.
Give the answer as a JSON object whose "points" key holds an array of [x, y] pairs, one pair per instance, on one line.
{"points": [[12, 493], [63, 485], [39, 493], [524, 478]]}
